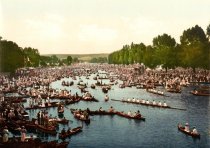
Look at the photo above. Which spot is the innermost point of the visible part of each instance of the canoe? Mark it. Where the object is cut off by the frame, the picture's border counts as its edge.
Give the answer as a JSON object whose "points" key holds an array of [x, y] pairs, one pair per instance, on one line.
{"points": [[71, 101], [130, 117], [78, 117], [199, 93], [157, 92], [181, 128], [53, 104], [97, 112], [70, 132], [49, 130], [90, 99], [62, 121]]}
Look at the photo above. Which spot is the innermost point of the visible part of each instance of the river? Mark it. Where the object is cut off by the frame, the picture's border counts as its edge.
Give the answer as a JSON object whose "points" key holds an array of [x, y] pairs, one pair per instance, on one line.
{"points": [[158, 130]]}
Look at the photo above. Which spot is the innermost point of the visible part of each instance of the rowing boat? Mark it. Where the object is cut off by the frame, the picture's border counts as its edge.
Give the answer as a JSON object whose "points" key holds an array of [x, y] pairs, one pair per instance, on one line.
{"points": [[97, 112], [199, 93], [145, 104], [70, 132], [78, 116], [130, 117], [49, 129], [182, 129]]}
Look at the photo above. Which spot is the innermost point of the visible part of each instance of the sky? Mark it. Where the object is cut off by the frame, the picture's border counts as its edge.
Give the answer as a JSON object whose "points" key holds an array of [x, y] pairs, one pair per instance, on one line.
{"points": [[96, 26]]}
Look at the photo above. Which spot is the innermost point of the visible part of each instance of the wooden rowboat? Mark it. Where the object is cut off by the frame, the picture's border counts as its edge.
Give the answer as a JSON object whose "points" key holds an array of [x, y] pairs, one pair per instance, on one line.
{"points": [[70, 132], [130, 117], [182, 129], [97, 112], [78, 117], [199, 93], [49, 129]]}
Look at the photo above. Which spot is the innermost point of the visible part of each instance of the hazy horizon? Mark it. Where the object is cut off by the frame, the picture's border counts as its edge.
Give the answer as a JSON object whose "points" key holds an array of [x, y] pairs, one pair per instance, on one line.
{"points": [[96, 26]]}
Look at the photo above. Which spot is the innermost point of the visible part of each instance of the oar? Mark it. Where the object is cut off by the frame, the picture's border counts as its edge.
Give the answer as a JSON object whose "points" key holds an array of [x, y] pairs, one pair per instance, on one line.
{"points": [[116, 100], [66, 107], [178, 108]]}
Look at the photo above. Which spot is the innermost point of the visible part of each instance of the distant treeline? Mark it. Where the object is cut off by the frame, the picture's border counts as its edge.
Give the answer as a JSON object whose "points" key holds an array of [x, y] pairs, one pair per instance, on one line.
{"points": [[99, 60], [12, 57], [193, 51]]}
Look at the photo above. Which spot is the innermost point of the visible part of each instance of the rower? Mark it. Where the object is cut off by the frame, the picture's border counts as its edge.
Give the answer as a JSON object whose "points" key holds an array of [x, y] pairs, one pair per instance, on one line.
{"points": [[147, 102], [133, 100], [143, 101], [187, 127], [154, 103], [111, 109], [194, 130], [129, 100], [164, 104], [106, 98], [129, 113], [159, 104], [100, 109], [63, 131], [138, 114], [137, 100]]}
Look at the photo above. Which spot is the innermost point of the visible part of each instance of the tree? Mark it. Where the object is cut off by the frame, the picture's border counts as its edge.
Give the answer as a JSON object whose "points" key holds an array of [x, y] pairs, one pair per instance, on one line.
{"points": [[69, 60], [12, 56], [165, 47], [194, 44], [32, 57], [208, 32]]}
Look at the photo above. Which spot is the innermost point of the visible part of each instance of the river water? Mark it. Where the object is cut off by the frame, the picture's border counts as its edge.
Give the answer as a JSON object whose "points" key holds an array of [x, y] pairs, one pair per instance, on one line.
{"points": [[158, 130]]}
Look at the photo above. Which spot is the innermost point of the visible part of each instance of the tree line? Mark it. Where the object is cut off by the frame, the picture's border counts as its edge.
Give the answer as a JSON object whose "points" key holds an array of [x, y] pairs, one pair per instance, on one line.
{"points": [[193, 51], [12, 57]]}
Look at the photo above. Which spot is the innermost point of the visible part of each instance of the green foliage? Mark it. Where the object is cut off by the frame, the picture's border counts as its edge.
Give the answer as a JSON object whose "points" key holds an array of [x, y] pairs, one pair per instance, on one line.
{"points": [[12, 56], [99, 60], [69, 60], [194, 45], [32, 57], [194, 51]]}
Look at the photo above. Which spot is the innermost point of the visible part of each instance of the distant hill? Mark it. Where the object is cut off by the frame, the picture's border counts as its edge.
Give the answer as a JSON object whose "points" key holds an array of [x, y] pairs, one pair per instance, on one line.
{"points": [[81, 57]]}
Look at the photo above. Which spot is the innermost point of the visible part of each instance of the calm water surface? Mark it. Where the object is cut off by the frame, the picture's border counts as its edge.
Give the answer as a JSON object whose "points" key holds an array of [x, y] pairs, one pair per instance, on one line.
{"points": [[159, 129]]}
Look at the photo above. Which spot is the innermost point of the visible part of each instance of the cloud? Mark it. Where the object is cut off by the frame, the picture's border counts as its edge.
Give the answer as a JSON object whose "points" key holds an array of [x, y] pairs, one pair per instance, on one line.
{"points": [[94, 33], [47, 28]]}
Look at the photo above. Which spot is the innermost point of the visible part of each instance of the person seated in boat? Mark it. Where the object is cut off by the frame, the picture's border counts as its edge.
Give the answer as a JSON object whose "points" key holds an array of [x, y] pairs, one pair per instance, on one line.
{"points": [[133, 100], [111, 109], [100, 109], [187, 127], [23, 133], [69, 130], [82, 116], [106, 98], [5, 134], [88, 110], [129, 100], [63, 131], [147, 102], [159, 104], [137, 100], [154, 103], [143, 101], [129, 113], [137, 114], [194, 131], [164, 104]]}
